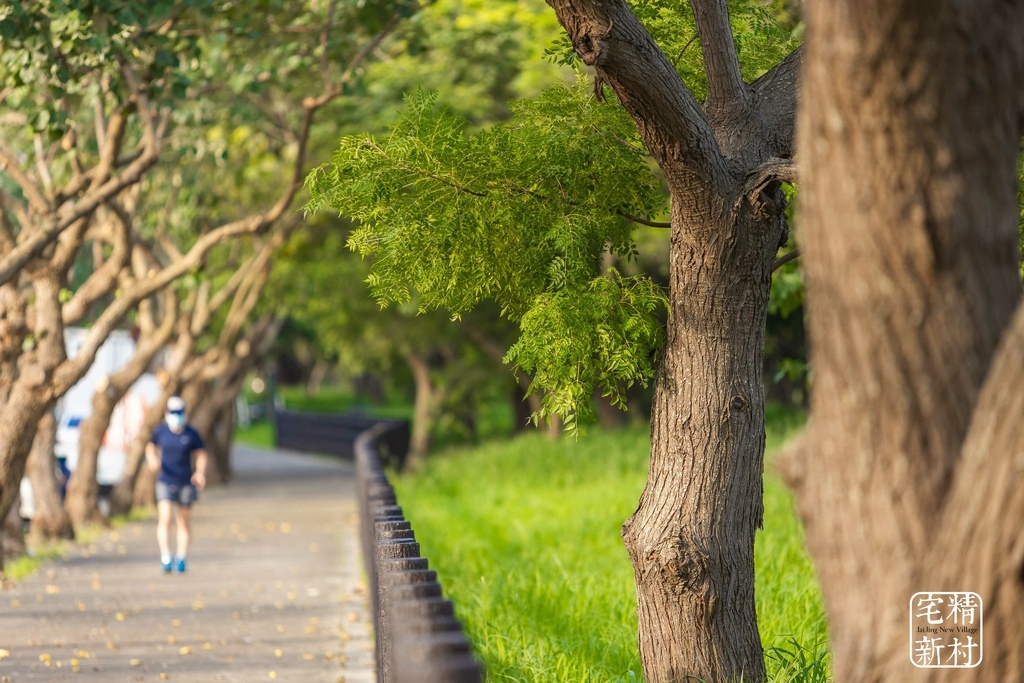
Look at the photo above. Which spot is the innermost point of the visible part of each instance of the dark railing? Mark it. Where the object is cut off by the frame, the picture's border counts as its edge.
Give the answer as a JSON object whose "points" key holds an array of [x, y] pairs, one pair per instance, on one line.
{"points": [[418, 638], [335, 434]]}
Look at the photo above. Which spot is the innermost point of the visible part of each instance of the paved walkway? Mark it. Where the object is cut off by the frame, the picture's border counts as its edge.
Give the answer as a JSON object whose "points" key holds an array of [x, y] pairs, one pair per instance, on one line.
{"points": [[274, 591]]}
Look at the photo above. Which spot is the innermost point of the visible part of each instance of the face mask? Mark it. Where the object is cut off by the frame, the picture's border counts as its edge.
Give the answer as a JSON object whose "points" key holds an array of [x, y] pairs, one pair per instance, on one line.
{"points": [[175, 420]]}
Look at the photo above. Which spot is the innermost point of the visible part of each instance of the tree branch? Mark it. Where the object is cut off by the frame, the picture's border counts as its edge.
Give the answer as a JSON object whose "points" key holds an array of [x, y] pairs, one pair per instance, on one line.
{"points": [[7, 232], [786, 258], [41, 165], [726, 89], [775, 97], [324, 40], [73, 370], [643, 221], [608, 36], [112, 139], [9, 163], [775, 170], [103, 278], [39, 239]]}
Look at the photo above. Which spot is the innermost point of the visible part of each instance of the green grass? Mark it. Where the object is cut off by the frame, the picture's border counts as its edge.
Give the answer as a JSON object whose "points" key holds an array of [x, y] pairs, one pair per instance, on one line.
{"points": [[525, 537], [21, 567], [18, 568], [259, 434]]}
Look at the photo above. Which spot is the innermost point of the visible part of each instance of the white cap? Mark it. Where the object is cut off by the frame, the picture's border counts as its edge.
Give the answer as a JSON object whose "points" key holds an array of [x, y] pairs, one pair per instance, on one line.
{"points": [[175, 404]]}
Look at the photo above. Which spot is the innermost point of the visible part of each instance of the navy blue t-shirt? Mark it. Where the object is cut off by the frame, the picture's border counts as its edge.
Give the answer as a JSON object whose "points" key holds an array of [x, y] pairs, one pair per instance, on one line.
{"points": [[176, 453]]}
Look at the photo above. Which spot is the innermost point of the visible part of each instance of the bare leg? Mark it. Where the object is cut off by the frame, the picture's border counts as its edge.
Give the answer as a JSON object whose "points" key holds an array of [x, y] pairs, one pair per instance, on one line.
{"points": [[163, 526], [184, 519]]}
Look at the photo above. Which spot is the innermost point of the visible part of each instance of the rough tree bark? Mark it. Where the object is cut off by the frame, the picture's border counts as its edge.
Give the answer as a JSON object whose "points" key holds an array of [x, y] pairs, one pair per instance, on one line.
{"points": [[691, 539], [909, 475], [50, 521]]}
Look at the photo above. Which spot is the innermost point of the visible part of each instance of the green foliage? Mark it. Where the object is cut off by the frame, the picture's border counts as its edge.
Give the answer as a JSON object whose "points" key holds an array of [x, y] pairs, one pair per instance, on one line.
{"points": [[762, 41], [259, 434], [476, 54], [525, 538], [57, 52], [24, 566], [520, 213], [599, 335]]}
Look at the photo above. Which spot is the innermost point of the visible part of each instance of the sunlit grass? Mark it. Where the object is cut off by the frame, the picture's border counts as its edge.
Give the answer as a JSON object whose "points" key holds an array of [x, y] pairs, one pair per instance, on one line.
{"points": [[259, 434], [24, 566], [525, 537]]}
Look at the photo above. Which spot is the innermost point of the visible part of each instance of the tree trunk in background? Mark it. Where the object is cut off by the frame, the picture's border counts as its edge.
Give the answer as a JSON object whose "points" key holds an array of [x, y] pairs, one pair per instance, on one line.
{"points": [[553, 427], [137, 487], [909, 474], [522, 408], [144, 491], [608, 416], [12, 537], [423, 410], [18, 422], [224, 431], [214, 407], [205, 418], [83, 490], [50, 521]]}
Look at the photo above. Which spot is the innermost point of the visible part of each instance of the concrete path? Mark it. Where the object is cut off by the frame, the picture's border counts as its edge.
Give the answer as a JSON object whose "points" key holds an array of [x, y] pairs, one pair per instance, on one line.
{"points": [[274, 591]]}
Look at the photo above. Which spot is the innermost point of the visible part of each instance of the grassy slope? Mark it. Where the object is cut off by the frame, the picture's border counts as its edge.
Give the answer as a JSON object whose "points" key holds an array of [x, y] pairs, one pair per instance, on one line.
{"points": [[525, 536]]}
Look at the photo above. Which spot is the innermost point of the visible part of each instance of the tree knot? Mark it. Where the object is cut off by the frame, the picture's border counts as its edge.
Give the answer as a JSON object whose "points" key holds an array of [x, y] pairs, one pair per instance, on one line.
{"points": [[590, 44], [683, 566]]}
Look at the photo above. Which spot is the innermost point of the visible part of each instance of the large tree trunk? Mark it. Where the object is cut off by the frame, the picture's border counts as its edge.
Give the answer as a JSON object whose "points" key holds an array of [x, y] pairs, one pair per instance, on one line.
{"points": [[18, 421], [911, 124], [691, 539], [50, 521]]}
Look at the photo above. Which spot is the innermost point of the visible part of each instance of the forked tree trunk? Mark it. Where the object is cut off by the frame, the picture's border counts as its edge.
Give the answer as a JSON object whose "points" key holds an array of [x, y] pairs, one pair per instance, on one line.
{"points": [[691, 539], [50, 521], [909, 474]]}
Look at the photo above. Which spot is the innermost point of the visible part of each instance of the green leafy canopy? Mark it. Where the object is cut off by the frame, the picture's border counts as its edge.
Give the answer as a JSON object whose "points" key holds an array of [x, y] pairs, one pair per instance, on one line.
{"points": [[522, 213]]}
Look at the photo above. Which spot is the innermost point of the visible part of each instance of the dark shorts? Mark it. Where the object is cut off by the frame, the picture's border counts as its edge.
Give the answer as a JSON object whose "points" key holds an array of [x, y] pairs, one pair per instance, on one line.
{"points": [[182, 495]]}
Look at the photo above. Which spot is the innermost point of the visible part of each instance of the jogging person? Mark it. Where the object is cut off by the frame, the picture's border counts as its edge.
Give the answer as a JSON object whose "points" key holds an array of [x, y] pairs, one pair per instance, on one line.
{"points": [[170, 452]]}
